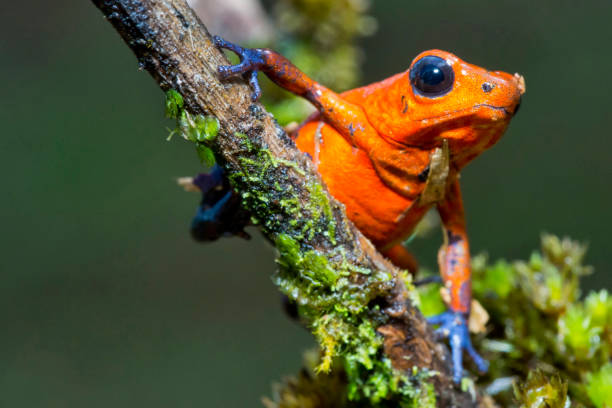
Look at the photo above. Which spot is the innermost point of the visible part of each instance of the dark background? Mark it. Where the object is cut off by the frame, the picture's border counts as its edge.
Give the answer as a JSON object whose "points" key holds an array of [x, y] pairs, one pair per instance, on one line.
{"points": [[105, 299]]}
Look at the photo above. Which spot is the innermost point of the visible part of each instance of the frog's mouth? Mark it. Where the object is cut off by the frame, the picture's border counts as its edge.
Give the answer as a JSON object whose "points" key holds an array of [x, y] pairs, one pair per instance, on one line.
{"points": [[500, 108], [506, 111]]}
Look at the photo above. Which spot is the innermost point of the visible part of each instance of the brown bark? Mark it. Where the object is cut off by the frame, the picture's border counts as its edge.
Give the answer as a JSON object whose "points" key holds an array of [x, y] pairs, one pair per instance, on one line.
{"points": [[174, 46]]}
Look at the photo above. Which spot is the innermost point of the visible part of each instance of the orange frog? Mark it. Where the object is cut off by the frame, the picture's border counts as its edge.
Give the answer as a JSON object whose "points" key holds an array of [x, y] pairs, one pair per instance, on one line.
{"points": [[392, 150]]}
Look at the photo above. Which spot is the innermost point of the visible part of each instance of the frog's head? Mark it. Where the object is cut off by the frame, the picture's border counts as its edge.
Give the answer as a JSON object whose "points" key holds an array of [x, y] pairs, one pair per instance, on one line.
{"points": [[442, 97]]}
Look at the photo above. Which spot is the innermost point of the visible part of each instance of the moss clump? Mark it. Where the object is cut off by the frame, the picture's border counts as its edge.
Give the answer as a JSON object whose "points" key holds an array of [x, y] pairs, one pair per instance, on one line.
{"points": [[539, 321], [319, 205], [599, 386], [313, 389], [316, 268], [174, 104], [541, 391], [309, 389], [336, 309], [274, 208], [339, 313], [199, 129]]}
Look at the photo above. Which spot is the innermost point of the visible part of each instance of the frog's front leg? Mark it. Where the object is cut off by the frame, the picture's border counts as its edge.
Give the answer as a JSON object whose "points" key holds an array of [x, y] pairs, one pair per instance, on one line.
{"points": [[454, 261], [347, 118]]}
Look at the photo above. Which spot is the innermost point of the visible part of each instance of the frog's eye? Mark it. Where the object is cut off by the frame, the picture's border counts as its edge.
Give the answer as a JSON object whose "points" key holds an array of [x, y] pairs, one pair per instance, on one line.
{"points": [[432, 76]]}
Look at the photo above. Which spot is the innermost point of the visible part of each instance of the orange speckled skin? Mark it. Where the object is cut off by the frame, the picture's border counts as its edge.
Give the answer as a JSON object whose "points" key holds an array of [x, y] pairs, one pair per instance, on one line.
{"points": [[372, 146]]}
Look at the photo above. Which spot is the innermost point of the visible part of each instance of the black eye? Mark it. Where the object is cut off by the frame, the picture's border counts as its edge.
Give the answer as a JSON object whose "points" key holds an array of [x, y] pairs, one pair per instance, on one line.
{"points": [[432, 76]]}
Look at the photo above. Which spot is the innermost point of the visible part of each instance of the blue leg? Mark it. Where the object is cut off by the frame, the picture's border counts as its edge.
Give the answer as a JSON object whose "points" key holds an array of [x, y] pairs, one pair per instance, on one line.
{"points": [[454, 326], [454, 261], [219, 213]]}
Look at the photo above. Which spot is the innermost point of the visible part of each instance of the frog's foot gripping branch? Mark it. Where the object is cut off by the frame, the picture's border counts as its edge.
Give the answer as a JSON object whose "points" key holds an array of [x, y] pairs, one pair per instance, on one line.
{"points": [[220, 213], [251, 60], [454, 326], [347, 118], [278, 68]]}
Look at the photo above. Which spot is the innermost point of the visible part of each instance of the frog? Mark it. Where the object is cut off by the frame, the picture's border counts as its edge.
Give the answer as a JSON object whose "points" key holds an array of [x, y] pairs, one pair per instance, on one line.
{"points": [[393, 150]]}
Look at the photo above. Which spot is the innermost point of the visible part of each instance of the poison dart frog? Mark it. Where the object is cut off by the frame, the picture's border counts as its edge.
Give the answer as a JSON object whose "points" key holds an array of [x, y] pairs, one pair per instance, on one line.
{"points": [[392, 150]]}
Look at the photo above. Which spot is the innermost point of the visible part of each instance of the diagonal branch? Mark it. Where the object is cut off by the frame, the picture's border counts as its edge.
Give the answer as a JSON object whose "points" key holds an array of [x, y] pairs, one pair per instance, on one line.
{"points": [[283, 191]]}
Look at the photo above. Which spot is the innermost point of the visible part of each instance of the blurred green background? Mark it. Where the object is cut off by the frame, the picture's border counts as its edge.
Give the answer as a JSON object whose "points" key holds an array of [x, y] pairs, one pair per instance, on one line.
{"points": [[106, 301]]}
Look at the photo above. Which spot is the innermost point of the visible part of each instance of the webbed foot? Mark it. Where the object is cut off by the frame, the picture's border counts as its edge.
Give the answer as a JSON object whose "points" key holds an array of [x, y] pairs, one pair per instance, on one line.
{"points": [[219, 213], [454, 326], [251, 60]]}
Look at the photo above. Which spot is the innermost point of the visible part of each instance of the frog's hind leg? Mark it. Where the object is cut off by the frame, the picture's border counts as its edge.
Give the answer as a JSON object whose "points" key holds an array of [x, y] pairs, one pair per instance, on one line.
{"points": [[454, 260], [220, 212]]}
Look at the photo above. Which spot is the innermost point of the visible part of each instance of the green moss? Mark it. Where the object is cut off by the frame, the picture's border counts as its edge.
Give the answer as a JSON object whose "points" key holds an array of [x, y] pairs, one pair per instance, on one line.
{"points": [[496, 280], [537, 317], [599, 307], [309, 389], [206, 155], [425, 399], [542, 391], [383, 386], [337, 311], [315, 267], [578, 334], [313, 389], [308, 217], [174, 104], [599, 386], [319, 205], [199, 129]]}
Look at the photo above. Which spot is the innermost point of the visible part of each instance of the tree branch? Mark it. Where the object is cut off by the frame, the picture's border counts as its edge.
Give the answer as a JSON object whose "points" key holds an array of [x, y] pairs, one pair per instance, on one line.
{"points": [[285, 194]]}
